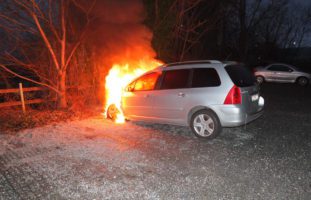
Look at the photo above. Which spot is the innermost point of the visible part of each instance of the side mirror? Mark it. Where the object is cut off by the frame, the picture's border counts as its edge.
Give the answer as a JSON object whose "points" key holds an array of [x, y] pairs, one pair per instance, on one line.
{"points": [[129, 89]]}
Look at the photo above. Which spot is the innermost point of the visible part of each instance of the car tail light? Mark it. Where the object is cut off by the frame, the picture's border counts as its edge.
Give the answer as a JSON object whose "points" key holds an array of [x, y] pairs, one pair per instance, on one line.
{"points": [[234, 96]]}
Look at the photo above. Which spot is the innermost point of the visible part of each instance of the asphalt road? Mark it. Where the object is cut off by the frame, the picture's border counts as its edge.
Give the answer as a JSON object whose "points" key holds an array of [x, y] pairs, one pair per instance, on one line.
{"points": [[269, 158]]}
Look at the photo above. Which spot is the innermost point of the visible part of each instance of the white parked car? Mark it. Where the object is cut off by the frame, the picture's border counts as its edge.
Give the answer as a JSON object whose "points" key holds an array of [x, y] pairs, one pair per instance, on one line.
{"points": [[282, 73]]}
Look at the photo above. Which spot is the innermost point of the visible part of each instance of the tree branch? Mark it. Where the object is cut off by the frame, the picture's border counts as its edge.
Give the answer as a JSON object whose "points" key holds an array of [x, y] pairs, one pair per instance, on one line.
{"points": [[46, 41], [64, 35], [28, 79]]}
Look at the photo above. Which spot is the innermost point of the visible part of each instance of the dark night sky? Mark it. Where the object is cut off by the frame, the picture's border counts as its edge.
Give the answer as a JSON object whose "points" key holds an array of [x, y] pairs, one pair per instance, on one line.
{"points": [[305, 3], [300, 3]]}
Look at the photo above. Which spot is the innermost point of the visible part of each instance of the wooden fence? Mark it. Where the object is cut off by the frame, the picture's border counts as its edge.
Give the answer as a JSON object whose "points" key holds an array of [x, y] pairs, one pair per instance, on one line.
{"points": [[22, 101]]}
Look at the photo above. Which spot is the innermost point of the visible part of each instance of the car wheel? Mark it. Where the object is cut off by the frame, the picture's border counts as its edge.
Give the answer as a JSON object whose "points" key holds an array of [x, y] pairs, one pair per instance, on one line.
{"points": [[112, 112], [303, 81], [205, 124], [260, 79]]}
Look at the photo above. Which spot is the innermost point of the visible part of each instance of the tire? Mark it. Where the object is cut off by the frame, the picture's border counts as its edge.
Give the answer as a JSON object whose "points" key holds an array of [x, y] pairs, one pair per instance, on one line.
{"points": [[260, 79], [205, 124], [112, 112], [302, 81]]}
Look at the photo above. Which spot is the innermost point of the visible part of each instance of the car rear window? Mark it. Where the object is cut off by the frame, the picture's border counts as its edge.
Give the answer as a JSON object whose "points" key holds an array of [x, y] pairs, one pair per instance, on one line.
{"points": [[205, 77], [240, 75]]}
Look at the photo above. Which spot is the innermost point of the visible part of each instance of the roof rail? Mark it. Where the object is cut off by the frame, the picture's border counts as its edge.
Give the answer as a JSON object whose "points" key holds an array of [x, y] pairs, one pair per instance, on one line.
{"points": [[194, 62], [229, 62]]}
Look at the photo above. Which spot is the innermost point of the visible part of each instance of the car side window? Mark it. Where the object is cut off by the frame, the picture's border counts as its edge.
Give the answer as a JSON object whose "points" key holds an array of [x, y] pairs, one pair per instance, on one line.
{"points": [[175, 79], [280, 68], [205, 77], [146, 82]]}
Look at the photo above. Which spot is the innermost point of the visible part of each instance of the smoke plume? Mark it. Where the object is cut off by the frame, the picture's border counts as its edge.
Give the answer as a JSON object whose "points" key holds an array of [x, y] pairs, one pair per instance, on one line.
{"points": [[119, 34]]}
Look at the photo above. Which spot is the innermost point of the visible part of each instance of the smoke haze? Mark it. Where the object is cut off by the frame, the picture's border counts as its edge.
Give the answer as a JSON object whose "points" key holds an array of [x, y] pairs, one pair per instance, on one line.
{"points": [[118, 32]]}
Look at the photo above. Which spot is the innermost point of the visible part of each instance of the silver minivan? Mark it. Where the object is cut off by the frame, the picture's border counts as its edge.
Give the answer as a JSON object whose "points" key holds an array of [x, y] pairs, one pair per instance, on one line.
{"points": [[205, 95]]}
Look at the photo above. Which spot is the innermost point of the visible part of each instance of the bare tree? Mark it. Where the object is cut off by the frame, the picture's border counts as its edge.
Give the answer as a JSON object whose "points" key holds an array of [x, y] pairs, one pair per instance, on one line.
{"points": [[179, 25], [43, 40], [295, 27], [4, 77], [278, 23]]}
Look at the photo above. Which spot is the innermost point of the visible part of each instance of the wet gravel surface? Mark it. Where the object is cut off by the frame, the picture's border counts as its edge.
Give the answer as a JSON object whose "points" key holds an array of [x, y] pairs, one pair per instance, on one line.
{"points": [[96, 159]]}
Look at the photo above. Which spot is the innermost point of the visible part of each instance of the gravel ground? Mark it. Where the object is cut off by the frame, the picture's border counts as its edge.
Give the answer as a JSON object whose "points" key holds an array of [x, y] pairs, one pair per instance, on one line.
{"points": [[96, 159]]}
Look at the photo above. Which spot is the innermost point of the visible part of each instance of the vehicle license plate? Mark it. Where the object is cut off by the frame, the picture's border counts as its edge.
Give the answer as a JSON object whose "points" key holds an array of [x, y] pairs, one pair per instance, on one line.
{"points": [[255, 97]]}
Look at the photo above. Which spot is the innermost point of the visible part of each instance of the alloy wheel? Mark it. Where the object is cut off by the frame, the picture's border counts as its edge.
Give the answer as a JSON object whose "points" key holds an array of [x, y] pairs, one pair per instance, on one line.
{"points": [[204, 125]]}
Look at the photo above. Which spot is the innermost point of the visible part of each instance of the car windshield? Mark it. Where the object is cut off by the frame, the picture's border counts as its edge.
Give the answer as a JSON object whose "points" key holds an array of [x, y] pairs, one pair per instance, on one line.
{"points": [[240, 75]]}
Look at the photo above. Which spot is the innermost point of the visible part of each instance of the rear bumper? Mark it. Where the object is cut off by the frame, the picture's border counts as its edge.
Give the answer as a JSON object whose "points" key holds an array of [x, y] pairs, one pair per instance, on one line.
{"points": [[235, 115], [243, 119]]}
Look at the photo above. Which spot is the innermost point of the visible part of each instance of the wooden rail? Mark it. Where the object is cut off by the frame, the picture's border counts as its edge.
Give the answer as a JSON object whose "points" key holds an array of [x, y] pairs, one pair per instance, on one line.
{"points": [[16, 90], [23, 101], [21, 91], [18, 103]]}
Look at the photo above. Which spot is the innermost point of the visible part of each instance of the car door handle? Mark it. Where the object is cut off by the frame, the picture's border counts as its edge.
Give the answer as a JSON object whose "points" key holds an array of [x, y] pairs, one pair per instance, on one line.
{"points": [[146, 95], [180, 94]]}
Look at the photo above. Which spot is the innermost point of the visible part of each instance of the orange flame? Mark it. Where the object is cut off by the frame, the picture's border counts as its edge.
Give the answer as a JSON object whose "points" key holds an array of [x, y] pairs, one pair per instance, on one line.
{"points": [[119, 76]]}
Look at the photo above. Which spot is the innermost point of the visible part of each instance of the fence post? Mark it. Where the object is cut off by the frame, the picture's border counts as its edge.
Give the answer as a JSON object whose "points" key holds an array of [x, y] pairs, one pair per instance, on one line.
{"points": [[22, 97]]}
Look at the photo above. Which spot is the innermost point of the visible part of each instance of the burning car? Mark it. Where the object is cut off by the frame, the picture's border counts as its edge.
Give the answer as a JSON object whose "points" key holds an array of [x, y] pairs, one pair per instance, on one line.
{"points": [[205, 95]]}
